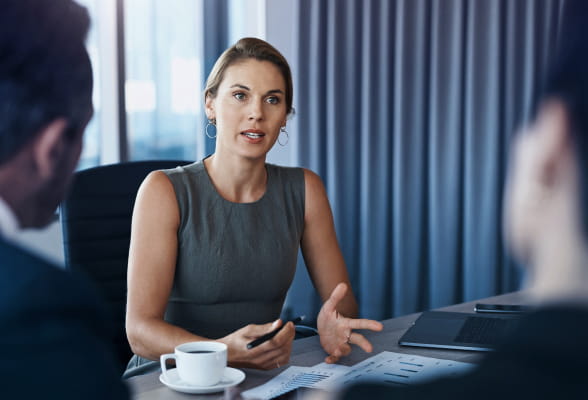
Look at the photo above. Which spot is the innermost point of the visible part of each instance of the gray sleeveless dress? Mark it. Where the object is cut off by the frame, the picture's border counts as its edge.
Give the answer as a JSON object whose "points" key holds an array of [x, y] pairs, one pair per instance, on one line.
{"points": [[235, 261]]}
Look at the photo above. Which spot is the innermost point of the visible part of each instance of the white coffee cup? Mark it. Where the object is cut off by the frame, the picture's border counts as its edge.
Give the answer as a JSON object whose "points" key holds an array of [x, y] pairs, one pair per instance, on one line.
{"points": [[198, 363]]}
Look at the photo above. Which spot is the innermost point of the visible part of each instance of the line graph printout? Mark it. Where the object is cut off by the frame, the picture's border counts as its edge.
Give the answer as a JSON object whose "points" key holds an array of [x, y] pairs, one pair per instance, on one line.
{"points": [[385, 367], [398, 369]]}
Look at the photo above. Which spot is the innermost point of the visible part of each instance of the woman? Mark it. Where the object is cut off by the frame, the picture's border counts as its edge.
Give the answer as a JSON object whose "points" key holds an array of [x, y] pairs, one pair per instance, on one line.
{"points": [[214, 244]]}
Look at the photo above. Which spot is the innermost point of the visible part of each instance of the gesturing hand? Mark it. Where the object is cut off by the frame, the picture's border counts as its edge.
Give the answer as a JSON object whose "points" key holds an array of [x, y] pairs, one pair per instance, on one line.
{"points": [[268, 355], [336, 331]]}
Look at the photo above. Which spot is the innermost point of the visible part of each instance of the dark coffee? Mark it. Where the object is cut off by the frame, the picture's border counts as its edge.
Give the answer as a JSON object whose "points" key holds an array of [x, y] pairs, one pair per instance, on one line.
{"points": [[199, 351]]}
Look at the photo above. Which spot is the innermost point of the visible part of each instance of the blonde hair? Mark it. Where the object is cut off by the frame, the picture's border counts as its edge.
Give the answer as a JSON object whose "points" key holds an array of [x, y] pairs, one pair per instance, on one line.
{"points": [[249, 48]]}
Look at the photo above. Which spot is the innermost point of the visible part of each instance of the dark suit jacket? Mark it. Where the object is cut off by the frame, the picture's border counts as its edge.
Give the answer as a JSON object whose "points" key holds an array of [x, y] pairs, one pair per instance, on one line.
{"points": [[54, 335], [546, 358]]}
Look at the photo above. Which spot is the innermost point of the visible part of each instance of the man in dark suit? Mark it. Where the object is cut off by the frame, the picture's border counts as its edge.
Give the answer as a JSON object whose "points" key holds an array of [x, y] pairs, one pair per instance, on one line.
{"points": [[54, 336], [546, 224]]}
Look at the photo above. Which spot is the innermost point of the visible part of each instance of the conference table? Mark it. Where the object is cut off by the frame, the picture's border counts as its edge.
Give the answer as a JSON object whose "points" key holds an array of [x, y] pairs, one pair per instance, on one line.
{"points": [[308, 352]]}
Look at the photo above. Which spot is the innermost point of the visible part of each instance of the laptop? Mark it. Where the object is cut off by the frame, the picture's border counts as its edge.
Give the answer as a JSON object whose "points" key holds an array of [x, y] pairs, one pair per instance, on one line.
{"points": [[461, 331]]}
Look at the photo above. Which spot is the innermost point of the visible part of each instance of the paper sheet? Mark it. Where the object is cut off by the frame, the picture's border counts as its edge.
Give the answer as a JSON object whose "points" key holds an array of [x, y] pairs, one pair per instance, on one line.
{"points": [[385, 367], [294, 378], [399, 369]]}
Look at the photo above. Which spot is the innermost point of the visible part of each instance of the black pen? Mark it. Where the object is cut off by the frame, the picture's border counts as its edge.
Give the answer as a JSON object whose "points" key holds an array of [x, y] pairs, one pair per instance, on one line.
{"points": [[269, 335]]}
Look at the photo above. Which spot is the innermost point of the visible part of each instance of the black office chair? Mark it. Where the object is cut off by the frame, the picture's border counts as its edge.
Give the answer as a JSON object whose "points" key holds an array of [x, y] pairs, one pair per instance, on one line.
{"points": [[96, 223]]}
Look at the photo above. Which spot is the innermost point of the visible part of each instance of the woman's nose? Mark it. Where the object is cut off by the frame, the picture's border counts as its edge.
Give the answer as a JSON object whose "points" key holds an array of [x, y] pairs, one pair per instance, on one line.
{"points": [[255, 110]]}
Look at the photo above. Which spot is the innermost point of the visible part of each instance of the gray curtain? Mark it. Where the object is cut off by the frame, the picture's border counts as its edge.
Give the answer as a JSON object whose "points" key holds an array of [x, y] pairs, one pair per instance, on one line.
{"points": [[406, 109]]}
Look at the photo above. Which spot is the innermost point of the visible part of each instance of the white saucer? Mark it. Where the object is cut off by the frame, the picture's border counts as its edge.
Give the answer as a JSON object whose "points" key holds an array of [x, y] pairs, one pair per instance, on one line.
{"points": [[231, 377]]}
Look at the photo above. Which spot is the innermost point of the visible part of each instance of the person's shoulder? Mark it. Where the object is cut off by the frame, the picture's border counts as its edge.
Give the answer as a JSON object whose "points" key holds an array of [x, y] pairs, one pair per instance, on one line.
{"points": [[291, 179], [192, 168], [312, 177], [313, 183], [55, 324], [310, 181], [159, 182], [20, 266], [11, 254], [167, 189], [286, 172], [283, 169], [28, 281], [179, 177]]}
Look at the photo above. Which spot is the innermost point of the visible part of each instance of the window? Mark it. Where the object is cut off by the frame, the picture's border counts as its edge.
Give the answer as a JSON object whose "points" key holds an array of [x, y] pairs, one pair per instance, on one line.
{"points": [[164, 68], [163, 88], [91, 152]]}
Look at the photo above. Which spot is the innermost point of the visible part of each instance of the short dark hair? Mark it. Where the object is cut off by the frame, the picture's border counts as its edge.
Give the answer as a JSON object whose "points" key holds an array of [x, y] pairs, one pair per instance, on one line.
{"points": [[45, 71], [567, 81], [250, 48]]}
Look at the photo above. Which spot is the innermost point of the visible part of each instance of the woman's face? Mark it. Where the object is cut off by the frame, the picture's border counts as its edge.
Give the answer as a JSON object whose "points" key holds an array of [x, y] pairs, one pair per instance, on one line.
{"points": [[249, 108]]}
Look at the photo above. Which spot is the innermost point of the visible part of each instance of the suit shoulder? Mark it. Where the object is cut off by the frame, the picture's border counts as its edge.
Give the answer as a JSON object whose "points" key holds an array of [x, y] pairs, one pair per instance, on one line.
{"points": [[28, 283]]}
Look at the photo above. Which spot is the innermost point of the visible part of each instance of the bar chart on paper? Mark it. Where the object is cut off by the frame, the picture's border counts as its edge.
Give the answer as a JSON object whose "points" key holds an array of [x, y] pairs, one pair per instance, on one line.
{"points": [[294, 378]]}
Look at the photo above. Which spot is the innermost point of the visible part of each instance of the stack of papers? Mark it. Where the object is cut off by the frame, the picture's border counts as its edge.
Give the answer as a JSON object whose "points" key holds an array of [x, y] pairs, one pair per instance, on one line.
{"points": [[385, 367]]}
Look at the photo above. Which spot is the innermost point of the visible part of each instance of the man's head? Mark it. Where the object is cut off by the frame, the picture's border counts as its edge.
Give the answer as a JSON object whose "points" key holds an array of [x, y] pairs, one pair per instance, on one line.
{"points": [[567, 82], [45, 102], [546, 207]]}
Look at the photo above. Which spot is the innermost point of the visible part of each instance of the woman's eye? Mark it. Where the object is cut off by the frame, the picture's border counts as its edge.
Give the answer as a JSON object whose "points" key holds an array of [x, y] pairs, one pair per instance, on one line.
{"points": [[239, 95], [273, 100]]}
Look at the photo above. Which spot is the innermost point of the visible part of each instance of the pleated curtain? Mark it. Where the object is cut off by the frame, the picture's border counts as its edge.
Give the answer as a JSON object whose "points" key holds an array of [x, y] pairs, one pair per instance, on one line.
{"points": [[406, 109]]}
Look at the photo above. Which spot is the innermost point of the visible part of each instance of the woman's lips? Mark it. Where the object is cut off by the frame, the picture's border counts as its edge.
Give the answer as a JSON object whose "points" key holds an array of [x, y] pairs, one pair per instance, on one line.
{"points": [[253, 133]]}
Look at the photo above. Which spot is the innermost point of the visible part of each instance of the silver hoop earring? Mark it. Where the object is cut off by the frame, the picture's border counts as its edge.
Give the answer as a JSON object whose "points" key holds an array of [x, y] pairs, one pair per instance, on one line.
{"points": [[211, 122], [283, 130]]}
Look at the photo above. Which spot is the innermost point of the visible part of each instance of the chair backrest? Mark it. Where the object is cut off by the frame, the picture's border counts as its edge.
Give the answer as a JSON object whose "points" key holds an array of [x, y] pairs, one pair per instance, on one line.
{"points": [[96, 224]]}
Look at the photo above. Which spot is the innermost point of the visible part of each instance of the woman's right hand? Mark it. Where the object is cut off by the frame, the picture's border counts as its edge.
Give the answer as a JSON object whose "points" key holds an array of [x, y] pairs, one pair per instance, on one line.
{"points": [[268, 355]]}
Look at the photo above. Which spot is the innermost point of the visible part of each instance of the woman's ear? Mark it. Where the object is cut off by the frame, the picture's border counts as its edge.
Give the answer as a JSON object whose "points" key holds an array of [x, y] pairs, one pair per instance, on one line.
{"points": [[209, 107], [48, 147]]}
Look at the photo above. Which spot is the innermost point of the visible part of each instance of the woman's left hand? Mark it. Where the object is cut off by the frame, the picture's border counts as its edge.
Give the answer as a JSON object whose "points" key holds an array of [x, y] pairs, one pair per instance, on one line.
{"points": [[336, 331]]}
